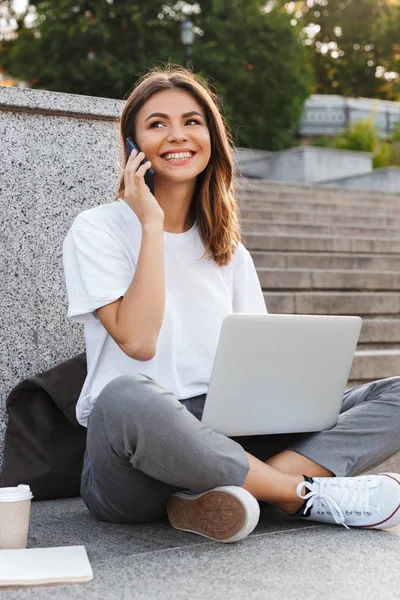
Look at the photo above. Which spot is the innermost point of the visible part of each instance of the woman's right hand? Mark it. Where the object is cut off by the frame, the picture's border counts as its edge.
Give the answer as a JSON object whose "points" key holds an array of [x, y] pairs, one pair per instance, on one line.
{"points": [[137, 193]]}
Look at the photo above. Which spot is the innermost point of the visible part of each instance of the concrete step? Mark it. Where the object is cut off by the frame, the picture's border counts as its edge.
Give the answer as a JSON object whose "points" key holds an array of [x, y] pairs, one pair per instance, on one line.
{"points": [[335, 279], [330, 251], [259, 225], [376, 330], [378, 346], [326, 218], [310, 243], [369, 365], [354, 383], [299, 260], [272, 203], [323, 198], [317, 192], [378, 333], [382, 304]]}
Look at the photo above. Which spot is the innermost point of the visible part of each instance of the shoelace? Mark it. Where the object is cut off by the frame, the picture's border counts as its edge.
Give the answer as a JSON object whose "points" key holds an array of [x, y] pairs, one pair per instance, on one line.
{"points": [[349, 494]]}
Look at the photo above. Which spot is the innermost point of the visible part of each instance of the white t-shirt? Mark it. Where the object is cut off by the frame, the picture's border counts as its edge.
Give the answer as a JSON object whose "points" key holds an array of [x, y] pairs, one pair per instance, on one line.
{"points": [[100, 254]]}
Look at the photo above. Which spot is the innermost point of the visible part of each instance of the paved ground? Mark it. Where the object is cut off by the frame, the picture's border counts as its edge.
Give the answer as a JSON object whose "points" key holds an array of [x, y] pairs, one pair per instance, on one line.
{"points": [[282, 559]]}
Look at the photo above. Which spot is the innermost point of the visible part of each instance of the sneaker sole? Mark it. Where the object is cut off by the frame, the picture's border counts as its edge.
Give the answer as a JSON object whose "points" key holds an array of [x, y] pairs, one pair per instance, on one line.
{"points": [[394, 518], [221, 514]]}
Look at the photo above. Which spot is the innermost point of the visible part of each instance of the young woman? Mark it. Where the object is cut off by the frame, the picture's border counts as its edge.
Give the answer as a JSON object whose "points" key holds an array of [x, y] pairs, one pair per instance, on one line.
{"points": [[152, 278]]}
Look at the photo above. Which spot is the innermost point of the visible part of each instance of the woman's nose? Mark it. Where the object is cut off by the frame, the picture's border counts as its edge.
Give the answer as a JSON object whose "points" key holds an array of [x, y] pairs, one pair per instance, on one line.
{"points": [[177, 133]]}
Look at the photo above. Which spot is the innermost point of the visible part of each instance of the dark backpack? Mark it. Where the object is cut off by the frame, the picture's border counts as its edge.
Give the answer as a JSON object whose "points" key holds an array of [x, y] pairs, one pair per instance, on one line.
{"points": [[44, 443]]}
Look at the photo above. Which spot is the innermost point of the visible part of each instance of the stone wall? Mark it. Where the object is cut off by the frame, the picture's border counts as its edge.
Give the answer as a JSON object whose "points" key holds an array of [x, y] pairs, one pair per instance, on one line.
{"points": [[59, 155]]}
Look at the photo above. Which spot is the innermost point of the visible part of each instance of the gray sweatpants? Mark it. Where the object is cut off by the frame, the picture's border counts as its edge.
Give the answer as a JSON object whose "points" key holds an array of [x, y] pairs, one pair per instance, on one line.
{"points": [[143, 445]]}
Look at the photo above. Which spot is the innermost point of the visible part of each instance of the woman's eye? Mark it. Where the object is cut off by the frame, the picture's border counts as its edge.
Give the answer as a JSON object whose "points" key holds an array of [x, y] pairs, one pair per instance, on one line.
{"points": [[188, 121]]}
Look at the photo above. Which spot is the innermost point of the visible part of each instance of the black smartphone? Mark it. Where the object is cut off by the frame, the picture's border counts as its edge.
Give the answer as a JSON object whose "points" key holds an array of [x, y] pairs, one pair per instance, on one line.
{"points": [[149, 175]]}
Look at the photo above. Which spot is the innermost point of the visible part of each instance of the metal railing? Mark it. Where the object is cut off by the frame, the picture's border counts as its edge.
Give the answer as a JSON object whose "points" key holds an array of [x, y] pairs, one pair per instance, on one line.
{"points": [[325, 114]]}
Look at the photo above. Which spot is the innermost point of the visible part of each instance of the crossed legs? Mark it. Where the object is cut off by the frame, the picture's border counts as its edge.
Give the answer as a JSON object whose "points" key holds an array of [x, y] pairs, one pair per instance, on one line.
{"points": [[143, 445]]}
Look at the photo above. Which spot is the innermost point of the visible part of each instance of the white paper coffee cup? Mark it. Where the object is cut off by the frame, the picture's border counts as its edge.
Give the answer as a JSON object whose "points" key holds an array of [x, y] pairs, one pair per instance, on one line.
{"points": [[15, 508]]}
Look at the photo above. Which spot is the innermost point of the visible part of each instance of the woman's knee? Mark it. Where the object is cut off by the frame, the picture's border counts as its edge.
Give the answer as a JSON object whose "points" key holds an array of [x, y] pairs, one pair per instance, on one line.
{"points": [[123, 396], [386, 389]]}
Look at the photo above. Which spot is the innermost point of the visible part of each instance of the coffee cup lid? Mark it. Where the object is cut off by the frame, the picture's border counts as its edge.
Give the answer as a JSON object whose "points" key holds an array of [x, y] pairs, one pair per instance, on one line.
{"points": [[12, 494]]}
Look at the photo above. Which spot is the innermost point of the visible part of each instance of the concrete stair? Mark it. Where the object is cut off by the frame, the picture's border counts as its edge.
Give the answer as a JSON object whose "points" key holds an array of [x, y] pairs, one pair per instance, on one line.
{"points": [[320, 243], [319, 229], [321, 218], [323, 250]]}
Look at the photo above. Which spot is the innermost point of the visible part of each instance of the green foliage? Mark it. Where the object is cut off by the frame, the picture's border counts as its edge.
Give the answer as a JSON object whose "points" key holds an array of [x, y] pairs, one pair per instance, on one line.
{"points": [[100, 47], [90, 47], [383, 156], [355, 37], [361, 135], [263, 88], [396, 133], [322, 142], [396, 154]]}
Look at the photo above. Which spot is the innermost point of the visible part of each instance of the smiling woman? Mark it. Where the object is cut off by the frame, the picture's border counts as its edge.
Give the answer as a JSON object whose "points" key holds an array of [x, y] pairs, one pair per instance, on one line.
{"points": [[152, 277]]}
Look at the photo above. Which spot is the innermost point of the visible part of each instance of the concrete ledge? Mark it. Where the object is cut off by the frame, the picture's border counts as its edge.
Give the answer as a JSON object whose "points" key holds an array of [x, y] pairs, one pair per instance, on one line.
{"points": [[387, 178], [27, 100], [251, 162], [305, 164]]}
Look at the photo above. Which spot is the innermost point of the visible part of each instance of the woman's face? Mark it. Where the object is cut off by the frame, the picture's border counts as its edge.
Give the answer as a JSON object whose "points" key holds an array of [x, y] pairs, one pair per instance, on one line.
{"points": [[170, 123]]}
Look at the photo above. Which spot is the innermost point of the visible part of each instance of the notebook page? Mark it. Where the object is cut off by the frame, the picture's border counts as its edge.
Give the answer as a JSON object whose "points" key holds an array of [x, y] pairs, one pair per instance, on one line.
{"points": [[36, 566]]}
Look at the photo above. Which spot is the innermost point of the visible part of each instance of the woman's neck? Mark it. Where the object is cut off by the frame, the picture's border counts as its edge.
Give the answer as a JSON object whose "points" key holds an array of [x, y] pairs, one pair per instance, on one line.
{"points": [[175, 200]]}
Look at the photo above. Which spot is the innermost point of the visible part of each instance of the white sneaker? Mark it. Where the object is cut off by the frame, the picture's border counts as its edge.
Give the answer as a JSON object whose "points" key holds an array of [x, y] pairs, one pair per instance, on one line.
{"points": [[371, 501], [224, 514]]}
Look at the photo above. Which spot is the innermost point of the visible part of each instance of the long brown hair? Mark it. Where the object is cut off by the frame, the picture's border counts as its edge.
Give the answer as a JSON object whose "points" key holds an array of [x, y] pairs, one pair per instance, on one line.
{"points": [[214, 206]]}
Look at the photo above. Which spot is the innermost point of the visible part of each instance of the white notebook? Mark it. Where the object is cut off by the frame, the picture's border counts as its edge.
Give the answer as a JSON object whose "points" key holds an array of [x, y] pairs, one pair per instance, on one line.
{"points": [[41, 566]]}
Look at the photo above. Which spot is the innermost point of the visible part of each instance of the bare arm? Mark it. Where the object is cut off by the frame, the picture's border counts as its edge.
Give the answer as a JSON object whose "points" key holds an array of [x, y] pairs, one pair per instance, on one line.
{"points": [[141, 310], [134, 321]]}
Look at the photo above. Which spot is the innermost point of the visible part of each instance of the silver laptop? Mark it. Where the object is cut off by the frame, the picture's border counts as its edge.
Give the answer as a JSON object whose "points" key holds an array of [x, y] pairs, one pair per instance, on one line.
{"points": [[280, 373]]}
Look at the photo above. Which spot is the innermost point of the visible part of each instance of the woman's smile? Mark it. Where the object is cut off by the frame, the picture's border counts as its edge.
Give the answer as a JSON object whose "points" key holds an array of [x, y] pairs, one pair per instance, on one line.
{"points": [[178, 158]]}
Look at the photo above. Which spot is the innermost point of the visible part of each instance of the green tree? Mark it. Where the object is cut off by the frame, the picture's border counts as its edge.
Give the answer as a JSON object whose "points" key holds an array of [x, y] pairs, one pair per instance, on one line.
{"points": [[259, 64], [356, 48], [100, 47], [88, 47]]}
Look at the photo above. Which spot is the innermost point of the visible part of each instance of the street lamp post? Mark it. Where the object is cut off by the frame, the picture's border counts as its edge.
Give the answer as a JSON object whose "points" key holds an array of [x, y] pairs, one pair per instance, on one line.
{"points": [[187, 37]]}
